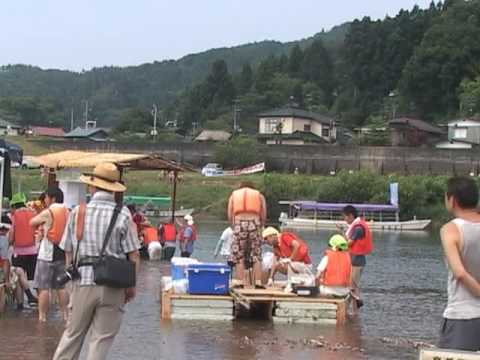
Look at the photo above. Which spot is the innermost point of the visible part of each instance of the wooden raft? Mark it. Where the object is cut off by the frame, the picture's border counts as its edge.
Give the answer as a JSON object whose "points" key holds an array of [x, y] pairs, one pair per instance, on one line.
{"points": [[290, 308], [440, 354], [285, 307], [197, 307]]}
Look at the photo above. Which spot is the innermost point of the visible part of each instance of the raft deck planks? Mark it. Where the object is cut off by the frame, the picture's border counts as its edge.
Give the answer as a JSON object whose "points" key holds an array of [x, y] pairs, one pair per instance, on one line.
{"points": [[287, 307]]}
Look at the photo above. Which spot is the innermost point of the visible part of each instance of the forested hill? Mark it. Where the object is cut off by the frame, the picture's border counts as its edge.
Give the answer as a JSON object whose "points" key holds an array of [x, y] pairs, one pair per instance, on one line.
{"points": [[30, 95], [421, 63]]}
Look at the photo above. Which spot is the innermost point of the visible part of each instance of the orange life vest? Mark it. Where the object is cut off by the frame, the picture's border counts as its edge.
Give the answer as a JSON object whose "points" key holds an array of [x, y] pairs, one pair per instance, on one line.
{"points": [[59, 222], [246, 201], [339, 269], [182, 233], [284, 249], [24, 234], [362, 246], [169, 232], [150, 234]]}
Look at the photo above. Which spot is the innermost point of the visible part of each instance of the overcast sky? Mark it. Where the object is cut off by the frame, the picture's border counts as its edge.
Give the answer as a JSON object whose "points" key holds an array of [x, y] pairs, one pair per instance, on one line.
{"points": [[82, 34]]}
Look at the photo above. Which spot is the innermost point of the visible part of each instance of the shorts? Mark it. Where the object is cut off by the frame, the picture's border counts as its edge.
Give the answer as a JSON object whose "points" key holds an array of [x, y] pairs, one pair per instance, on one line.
{"points": [[46, 274], [247, 241], [27, 263], [460, 335]]}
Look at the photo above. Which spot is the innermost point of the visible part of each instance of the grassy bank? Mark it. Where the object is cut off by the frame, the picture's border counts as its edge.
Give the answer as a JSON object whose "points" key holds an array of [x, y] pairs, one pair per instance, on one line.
{"points": [[420, 196]]}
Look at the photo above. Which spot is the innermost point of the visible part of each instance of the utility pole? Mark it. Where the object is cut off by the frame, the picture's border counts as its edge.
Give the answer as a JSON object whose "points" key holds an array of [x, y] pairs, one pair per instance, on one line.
{"points": [[85, 115], [154, 112], [71, 119], [235, 112]]}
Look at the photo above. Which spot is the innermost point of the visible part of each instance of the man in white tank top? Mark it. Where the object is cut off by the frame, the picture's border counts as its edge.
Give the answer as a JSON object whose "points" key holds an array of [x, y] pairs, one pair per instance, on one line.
{"points": [[461, 245]]}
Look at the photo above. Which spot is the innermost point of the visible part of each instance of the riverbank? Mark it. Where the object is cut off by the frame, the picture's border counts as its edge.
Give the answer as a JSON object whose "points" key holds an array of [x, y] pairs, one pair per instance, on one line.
{"points": [[420, 196]]}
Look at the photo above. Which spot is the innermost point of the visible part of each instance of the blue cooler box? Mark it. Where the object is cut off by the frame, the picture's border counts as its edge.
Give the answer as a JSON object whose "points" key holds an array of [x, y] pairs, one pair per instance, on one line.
{"points": [[208, 279], [178, 271]]}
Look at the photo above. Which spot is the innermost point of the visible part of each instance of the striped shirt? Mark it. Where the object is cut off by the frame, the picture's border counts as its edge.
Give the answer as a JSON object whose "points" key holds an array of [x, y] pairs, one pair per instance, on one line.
{"points": [[99, 212]]}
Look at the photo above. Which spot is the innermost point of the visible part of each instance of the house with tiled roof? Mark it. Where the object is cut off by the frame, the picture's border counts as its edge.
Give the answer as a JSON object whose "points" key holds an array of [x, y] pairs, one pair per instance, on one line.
{"points": [[290, 125], [92, 134], [405, 131], [47, 131], [9, 128]]}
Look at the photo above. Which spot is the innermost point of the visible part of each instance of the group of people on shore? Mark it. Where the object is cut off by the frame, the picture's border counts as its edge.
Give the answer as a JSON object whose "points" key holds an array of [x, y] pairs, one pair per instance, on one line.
{"points": [[241, 244], [40, 243], [30, 255]]}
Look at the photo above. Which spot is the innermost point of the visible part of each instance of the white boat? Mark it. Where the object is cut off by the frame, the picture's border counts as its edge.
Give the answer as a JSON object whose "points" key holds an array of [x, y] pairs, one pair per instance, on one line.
{"points": [[168, 213], [314, 215]]}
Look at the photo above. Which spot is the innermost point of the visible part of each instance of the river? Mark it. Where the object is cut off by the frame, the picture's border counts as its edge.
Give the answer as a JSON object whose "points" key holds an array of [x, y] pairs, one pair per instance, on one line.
{"points": [[404, 286]]}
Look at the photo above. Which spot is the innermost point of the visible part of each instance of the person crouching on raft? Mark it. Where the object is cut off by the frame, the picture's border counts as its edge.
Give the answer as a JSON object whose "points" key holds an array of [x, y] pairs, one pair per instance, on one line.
{"points": [[334, 273], [289, 250]]}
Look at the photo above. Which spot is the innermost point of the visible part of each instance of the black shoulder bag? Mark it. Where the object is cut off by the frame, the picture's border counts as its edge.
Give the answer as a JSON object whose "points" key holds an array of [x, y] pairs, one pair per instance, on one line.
{"points": [[111, 271]]}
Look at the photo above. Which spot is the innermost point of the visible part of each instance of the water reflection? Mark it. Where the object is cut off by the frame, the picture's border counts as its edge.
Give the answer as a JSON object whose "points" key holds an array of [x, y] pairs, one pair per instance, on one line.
{"points": [[404, 288]]}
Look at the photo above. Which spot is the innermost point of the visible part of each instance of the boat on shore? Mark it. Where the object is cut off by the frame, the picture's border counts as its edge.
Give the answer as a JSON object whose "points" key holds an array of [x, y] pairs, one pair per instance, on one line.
{"points": [[154, 206], [315, 215]]}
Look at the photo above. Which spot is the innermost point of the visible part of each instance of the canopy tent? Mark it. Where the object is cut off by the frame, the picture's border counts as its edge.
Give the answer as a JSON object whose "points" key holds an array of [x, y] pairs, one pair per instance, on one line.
{"points": [[84, 159], [71, 159]]}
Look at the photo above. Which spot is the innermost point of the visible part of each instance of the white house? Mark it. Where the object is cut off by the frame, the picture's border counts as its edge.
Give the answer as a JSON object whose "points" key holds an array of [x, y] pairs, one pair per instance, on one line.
{"points": [[462, 134], [8, 128], [293, 126]]}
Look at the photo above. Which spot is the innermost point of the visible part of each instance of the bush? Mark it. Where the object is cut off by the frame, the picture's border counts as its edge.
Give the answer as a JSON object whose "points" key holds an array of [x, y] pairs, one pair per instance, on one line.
{"points": [[241, 151]]}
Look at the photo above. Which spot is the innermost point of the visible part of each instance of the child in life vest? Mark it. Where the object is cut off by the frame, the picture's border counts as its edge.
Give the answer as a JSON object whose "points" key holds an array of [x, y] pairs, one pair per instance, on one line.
{"points": [[335, 270], [151, 242]]}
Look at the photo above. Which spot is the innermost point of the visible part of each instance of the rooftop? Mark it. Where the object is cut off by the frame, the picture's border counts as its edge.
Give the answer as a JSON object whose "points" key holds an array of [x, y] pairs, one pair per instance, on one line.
{"points": [[6, 124], [48, 131], [417, 124], [84, 133], [290, 111], [213, 135]]}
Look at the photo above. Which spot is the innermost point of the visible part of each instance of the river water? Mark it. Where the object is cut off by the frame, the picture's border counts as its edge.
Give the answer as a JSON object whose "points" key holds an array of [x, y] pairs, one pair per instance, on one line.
{"points": [[403, 286]]}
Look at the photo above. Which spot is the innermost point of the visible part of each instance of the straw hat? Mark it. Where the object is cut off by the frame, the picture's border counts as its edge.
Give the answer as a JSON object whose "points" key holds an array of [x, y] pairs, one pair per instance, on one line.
{"points": [[269, 231], [105, 176]]}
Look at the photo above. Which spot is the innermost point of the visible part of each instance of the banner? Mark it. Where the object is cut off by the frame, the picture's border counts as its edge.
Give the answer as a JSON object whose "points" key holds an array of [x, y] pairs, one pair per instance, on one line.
{"points": [[246, 170], [394, 194]]}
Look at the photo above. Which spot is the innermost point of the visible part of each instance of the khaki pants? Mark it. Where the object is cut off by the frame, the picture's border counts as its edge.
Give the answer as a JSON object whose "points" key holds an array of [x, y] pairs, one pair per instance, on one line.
{"points": [[95, 308]]}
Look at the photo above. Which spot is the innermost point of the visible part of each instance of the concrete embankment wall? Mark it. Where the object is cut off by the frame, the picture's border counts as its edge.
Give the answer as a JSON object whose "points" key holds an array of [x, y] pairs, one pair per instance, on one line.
{"points": [[318, 159]]}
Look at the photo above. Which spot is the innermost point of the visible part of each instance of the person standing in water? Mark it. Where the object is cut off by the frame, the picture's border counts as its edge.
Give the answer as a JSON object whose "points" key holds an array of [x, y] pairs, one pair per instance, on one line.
{"points": [[247, 212], [461, 246]]}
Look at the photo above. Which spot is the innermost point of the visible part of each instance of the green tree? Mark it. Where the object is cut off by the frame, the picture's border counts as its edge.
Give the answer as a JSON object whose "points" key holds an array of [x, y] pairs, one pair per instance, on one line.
{"points": [[295, 62], [469, 94], [245, 82], [134, 120], [317, 67]]}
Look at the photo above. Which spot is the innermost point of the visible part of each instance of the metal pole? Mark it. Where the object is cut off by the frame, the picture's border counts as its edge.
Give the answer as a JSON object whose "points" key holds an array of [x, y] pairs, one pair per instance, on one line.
{"points": [[86, 113], [155, 110], [174, 195], [234, 116], [71, 120]]}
